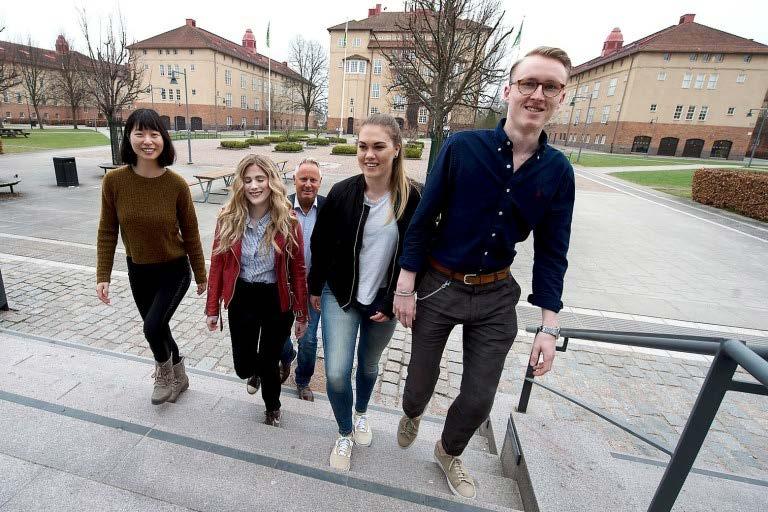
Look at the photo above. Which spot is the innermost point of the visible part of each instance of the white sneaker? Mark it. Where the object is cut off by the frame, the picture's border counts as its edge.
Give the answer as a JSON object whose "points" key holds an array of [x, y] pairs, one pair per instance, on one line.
{"points": [[341, 455], [362, 429]]}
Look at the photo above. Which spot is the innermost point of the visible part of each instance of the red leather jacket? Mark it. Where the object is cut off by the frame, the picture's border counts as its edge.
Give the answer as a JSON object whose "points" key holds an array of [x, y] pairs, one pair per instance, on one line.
{"points": [[289, 268]]}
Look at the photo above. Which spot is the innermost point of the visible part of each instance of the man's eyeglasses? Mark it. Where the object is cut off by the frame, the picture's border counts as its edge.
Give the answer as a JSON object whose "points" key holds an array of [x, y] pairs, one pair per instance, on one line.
{"points": [[549, 88]]}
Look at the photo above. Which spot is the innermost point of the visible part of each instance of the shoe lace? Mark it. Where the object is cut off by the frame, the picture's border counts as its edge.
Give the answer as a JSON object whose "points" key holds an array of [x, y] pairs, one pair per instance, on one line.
{"points": [[343, 446], [457, 468], [362, 423], [409, 428]]}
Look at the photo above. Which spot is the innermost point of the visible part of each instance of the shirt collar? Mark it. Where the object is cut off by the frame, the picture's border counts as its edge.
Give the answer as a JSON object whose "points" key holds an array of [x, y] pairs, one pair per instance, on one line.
{"points": [[501, 137], [296, 204], [262, 221]]}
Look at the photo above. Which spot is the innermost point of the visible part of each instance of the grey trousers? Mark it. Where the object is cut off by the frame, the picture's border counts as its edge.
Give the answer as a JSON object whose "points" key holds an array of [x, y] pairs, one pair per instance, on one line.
{"points": [[487, 313]]}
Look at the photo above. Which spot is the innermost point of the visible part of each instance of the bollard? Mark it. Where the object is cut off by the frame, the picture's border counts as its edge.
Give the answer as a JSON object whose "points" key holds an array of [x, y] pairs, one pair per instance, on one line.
{"points": [[3, 298]]}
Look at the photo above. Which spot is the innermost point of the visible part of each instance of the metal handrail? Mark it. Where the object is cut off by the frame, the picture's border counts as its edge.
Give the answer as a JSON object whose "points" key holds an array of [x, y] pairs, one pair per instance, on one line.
{"points": [[728, 355]]}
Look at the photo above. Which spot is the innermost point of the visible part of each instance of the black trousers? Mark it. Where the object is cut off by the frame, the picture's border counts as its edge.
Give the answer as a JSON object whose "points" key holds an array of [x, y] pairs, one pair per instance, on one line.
{"points": [[487, 313], [157, 290], [259, 329]]}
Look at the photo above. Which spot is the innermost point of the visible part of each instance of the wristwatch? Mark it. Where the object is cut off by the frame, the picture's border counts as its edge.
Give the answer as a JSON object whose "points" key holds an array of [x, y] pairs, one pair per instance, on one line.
{"points": [[552, 331]]}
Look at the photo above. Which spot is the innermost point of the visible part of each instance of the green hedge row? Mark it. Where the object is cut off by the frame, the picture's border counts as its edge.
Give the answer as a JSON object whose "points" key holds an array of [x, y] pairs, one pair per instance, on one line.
{"points": [[413, 152], [318, 142], [288, 147], [741, 191], [257, 142], [337, 140], [234, 144], [415, 143], [344, 149]]}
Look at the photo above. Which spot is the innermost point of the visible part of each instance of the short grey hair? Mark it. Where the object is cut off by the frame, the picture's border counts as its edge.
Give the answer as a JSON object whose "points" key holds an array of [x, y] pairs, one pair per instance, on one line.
{"points": [[310, 161]]}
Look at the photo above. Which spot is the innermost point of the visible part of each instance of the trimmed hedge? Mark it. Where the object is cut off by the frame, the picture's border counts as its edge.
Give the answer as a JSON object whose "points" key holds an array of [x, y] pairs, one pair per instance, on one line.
{"points": [[344, 149], [275, 138], [288, 147], [298, 138], [415, 143], [744, 192], [413, 152], [258, 142], [235, 144], [337, 140], [318, 142]]}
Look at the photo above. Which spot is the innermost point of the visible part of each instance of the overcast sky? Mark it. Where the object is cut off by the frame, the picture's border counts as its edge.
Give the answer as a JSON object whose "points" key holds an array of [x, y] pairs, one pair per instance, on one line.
{"points": [[580, 27]]}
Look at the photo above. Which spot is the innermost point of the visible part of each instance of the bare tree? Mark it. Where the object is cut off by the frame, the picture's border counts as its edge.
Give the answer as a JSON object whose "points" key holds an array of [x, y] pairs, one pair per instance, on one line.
{"points": [[35, 77], [114, 75], [69, 81], [450, 54], [308, 59], [9, 74]]}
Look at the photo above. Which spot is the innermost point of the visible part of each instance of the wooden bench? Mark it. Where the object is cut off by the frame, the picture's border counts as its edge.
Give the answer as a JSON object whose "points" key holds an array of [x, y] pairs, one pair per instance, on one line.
{"points": [[13, 132], [206, 179], [108, 166], [10, 181]]}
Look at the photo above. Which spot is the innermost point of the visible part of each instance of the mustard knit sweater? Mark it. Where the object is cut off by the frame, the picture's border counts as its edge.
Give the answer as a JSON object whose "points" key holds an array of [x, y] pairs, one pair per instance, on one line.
{"points": [[155, 218]]}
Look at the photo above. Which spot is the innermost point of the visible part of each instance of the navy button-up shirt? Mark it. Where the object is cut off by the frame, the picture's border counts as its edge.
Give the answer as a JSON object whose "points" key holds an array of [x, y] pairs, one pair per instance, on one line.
{"points": [[474, 209]]}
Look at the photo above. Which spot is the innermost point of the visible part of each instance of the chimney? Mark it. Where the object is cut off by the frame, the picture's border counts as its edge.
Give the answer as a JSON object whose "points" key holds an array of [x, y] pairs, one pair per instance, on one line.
{"points": [[686, 18], [62, 46], [191, 22], [613, 42], [374, 11], [249, 41]]}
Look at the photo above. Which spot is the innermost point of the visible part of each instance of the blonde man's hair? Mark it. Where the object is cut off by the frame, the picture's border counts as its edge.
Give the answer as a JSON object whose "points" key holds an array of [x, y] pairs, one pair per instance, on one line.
{"points": [[549, 52]]}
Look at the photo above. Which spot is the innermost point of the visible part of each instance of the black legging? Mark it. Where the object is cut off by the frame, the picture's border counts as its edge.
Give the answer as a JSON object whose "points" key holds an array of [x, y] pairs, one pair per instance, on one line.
{"points": [[157, 289]]}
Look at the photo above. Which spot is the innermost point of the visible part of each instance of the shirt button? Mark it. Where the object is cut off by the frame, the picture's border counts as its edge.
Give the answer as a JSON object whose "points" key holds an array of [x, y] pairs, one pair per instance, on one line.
{"points": [[485, 253], [509, 166], [501, 213], [507, 143], [493, 234], [507, 190], [499, 149]]}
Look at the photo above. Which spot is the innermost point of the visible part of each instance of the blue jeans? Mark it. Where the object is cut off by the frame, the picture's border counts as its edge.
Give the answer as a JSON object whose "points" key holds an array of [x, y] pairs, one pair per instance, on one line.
{"points": [[305, 364], [340, 329]]}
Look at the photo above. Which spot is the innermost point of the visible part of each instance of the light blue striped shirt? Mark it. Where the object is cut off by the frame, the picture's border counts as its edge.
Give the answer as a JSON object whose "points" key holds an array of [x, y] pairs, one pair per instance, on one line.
{"points": [[307, 221], [257, 262]]}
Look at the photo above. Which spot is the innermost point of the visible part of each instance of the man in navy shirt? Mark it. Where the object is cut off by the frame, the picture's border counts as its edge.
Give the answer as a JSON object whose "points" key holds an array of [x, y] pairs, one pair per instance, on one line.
{"points": [[487, 191]]}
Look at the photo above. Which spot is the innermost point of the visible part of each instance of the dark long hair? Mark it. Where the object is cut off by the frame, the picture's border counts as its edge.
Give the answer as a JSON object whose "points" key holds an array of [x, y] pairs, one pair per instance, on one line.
{"points": [[146, 119]]}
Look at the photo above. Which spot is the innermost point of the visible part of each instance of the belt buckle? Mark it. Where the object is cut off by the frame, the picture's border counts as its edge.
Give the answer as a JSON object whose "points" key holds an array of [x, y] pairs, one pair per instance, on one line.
{"points": [[466, 276]]}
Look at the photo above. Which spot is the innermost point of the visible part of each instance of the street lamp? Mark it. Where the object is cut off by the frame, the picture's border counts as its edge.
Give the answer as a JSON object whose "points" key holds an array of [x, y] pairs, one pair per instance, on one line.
{"points": [[186, 99], [152, 95], [655, 119], [589, 104], [764, 111]]}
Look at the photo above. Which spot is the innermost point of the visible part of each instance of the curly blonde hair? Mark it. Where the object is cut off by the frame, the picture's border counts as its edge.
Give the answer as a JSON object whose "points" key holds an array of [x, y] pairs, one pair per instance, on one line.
{"points": [[233, 217]]}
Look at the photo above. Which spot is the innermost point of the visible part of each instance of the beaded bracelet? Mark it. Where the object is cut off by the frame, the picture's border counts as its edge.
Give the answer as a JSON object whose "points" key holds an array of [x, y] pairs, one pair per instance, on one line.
{"points": [[401, 293]]}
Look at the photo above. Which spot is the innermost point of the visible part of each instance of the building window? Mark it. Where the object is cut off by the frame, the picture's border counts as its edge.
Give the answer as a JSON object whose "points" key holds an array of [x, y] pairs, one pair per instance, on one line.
{"points": [[146, 66], [191, 67], [253, 83], [170, 94], [596, 90], [356, 42], [712, 83], [375, 91], [748, 58], [21, 115], [242, 81], [692, 57], [741, 78], [678, 112], [162, 93], [611, 87], [653, 107], [178, 94], [243, 102], [167, 52], [606, 113], [661, 76], [227, 77], [667, 56], [193, 92], [731, 111], [175, 52], [342, 42], [162, 70], [374, 110], [590, 115], [143, 52], [423, 113], [228, 99], [356, 67], [705, 57], [687, 80], [256, 104], [191, 52], [398, 103], [718, 57], [243, 122], [229, 121], [257, 122], [159, 52], [699, 81], [577, 117], [703, 113], [691, 111], [377, 67]]}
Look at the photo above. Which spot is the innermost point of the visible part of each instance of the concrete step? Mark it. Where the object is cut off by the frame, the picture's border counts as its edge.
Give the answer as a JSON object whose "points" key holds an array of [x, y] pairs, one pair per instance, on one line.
{"points": [[223, 418]]}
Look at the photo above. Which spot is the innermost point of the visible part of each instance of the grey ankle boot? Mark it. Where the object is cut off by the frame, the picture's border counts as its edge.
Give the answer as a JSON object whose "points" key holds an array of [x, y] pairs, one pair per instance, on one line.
{"points": [[163, 382], [180, 380]]}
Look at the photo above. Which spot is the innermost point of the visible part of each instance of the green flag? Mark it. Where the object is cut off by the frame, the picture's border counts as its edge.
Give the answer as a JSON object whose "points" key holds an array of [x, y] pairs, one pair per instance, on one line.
{"points": [[268, 23], [519, 33]]}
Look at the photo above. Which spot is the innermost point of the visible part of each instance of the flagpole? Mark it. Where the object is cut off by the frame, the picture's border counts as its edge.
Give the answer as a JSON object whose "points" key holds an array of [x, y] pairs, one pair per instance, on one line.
{"points": [[519, 39], [269, 86], [343, 77]]}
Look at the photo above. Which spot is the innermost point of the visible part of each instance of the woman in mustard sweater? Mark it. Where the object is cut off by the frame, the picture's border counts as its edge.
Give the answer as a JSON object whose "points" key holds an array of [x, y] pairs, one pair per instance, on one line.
{"points": [[151, 207]]}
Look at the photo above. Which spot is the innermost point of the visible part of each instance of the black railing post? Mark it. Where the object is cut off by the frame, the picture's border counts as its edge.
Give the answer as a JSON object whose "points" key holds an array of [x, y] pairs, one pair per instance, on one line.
{"points": [[525, 394], [3, 298], [699, 422]]}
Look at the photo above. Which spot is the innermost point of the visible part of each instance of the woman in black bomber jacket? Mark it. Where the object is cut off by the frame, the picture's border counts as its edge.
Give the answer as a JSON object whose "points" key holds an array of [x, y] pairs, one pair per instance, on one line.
{"points": [[356, 244]]}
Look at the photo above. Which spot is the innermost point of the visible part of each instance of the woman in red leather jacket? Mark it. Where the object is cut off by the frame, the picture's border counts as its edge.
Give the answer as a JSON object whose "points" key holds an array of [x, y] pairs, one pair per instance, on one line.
{"points": [[258, 273]]}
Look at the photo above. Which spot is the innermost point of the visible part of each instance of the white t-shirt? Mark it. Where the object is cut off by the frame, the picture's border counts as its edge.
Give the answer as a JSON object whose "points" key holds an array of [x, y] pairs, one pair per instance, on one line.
{"points": [[379, 244]]}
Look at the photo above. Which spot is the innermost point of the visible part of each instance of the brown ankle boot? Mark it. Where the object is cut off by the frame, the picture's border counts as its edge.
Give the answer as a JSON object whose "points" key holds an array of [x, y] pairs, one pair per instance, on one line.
{"points": [[180, 380], [163, 382]]}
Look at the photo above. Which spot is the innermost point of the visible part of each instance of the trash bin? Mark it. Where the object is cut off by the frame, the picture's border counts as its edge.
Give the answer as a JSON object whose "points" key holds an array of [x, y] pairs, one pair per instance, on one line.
{"points": [[66, 172]]}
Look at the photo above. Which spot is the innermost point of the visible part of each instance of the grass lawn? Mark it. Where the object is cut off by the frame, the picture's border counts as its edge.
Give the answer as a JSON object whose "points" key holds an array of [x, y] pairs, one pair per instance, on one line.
{"points": [[41, 140], [677, 183], [605, 160]]}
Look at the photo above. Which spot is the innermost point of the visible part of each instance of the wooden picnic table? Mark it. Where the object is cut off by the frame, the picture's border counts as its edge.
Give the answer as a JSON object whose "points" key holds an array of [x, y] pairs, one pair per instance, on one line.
{"points": [[206, 179], [13, 132]]}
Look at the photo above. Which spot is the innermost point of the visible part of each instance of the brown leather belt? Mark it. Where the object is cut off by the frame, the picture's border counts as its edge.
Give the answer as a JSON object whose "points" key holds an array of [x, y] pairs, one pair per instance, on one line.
{"points": [[472, 279]]}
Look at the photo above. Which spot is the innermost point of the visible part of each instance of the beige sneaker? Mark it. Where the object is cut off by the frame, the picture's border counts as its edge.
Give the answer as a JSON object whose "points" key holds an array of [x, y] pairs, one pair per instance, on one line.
{"points": [[362, 431], [459, 481], [163, 382], [341, 455], [407, 430], [180, 381]]}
